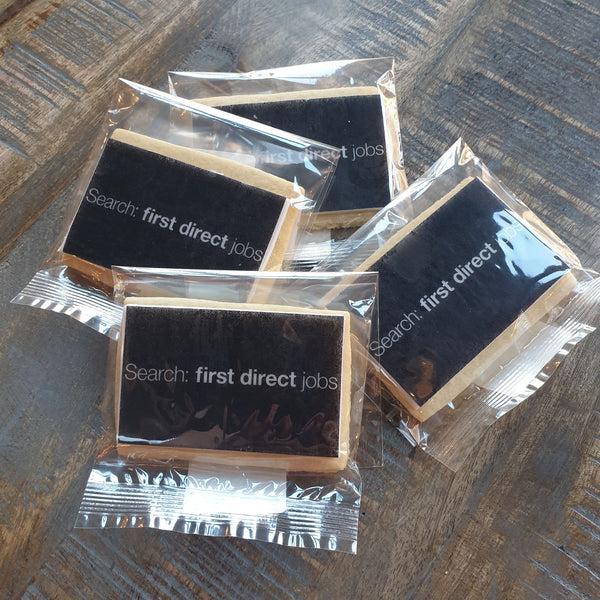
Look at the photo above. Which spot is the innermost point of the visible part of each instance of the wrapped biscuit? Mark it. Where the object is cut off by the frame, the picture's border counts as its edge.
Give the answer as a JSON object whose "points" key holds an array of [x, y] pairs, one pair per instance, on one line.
{"points": [[349, 104], [158, 195], [224, 412], [477, 298]]}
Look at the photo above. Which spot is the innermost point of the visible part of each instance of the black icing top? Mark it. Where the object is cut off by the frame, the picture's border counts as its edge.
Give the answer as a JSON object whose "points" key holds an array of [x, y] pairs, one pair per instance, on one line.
{"points": [[352, 123], [232, 380], [144, 209], [453, 284]]}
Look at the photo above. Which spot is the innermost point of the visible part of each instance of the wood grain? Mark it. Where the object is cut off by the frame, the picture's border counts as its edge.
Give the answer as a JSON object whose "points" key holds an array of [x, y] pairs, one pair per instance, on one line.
{"points": [[59, 66], [519, 81]]}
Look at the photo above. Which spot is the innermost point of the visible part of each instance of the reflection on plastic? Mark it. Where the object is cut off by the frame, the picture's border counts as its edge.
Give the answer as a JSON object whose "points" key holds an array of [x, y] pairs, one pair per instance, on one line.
{"points": [[212, 489]]}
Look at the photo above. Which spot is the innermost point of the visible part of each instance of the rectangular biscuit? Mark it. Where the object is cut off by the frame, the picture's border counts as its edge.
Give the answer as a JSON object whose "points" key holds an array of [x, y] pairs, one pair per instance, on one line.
{"points": [[150, 203], [251, 384], [458, 285], [348, 118]]}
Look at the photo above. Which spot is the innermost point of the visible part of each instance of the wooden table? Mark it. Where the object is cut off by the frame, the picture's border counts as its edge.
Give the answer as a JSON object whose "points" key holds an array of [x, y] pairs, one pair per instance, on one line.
{"points": [[519, 80]]}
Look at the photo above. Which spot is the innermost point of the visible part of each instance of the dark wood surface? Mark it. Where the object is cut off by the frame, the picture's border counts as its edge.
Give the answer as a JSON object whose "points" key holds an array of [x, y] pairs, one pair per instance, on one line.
{"points": [[519, 81]]}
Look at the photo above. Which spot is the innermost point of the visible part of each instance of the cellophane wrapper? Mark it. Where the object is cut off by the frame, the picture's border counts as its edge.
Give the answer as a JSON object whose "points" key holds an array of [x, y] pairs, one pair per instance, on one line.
{"points": [[533, 347], [164, 120], [340, 75], [233, 497]]}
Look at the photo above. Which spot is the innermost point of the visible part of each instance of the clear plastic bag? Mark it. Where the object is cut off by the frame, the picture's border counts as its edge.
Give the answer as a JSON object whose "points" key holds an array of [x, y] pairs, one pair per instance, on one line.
{"points": [[350, 104], [157, 194], [479, 303], [230, 418]]}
